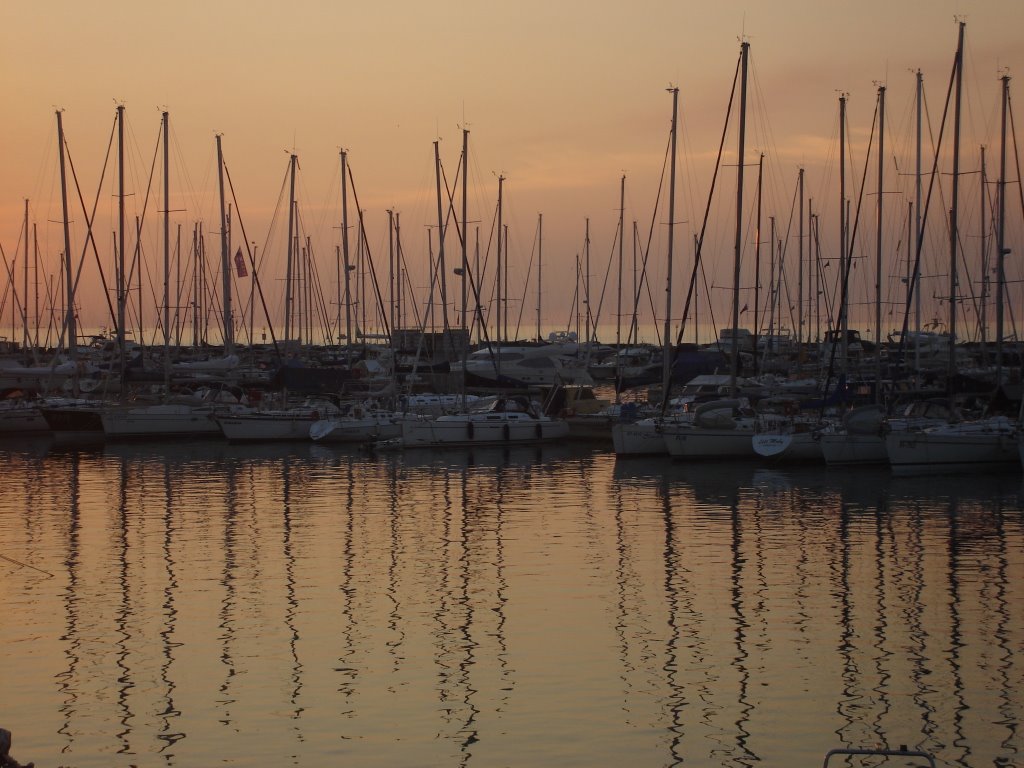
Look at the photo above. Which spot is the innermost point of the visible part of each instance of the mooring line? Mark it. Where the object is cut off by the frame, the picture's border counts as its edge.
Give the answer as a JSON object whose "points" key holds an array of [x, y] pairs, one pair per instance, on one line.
{"points": [[25, 565]]}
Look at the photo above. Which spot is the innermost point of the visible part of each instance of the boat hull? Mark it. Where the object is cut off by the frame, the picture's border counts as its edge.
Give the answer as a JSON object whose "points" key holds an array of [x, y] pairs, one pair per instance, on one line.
{"points": [[363, 430], [159, 421], [21, 420], [845, 449], [256, 428], [638, 438], [913, 452], [475, 430], [705, 443]]}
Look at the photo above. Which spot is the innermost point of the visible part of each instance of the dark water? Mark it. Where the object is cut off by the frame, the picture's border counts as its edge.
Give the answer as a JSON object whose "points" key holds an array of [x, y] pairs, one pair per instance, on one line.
{"points": [[257, 606]]}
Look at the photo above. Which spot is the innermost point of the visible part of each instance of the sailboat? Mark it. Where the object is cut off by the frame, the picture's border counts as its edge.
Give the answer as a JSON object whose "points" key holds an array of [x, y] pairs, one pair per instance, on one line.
{"points": [[185, 415], [989, 442], [644, 436], [498, 420], [723, 428]]}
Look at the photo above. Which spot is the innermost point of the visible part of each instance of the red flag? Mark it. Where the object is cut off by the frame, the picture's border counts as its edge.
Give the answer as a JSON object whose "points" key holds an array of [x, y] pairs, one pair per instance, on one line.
{"points": [[240, 264]]}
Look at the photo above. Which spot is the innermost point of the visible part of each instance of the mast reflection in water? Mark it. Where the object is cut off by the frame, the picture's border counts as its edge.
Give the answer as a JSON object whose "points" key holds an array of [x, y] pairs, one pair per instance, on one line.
{"points": [[252, 605]]}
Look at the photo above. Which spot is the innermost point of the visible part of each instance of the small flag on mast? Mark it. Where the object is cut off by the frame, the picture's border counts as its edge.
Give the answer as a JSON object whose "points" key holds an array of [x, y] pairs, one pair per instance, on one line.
{"points": [[240, 263]]}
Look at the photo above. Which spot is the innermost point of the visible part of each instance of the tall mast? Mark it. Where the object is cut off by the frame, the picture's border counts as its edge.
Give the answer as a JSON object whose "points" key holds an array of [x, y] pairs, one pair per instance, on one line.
{"points": [[464, 341], [440, 240], [344, 249], [292, 162], [121, 287], [167, 254], [225, 263], [399, 278], [757, 258], [506, 284], [69, 284], [800, 269], [618, 290], [666, 367], [954, 234], [586, 282], [878, 242], [843, 256], [918, 234], [24, 293], [498, 325], [1001, 250], [540, 265], [773, 291], [735, 346], [465, 234], [983, 261], [391, 271]]}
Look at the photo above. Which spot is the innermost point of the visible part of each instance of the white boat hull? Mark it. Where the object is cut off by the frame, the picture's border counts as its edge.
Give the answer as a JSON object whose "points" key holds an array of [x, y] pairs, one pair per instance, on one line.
{"points": [[483, 429], [355, 430], [788, 446], [941, 451], [706, 443], [638, 438], [260, 427], [22, 419], [157, 421]]}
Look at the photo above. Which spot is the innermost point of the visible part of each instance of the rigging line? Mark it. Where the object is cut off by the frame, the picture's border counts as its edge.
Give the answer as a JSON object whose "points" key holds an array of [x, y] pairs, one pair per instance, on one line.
{"points": [[847, 266], [369, 257], [526, 282], [252, 259], [90, 219], [707, 212], [24, 565], [607, 275], [642, 279], [137, 256], [927, 206], [1020, 191], [783, 275]]}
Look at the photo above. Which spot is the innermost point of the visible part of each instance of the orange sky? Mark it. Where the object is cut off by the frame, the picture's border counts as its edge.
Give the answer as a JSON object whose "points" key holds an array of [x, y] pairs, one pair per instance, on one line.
{"points": [[561, 98]]}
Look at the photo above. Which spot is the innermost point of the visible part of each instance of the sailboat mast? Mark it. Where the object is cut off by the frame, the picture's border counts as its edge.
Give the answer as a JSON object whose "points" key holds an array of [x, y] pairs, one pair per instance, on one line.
{"points": [[292, 161], [465, 233], [666, 368], [464, 341], [735, 346], [955, 200], [843, 256], [878, 243], [24, 293], [983, 261], [586, 281], [392, 303], [540, 272], [1001, 250], [167, 254], [69, 284], [800, 268], [497, 325], [618, 291], [121, 287], [225, 263], [757, 258], [440, 239], [918, 234], [344, 249]]}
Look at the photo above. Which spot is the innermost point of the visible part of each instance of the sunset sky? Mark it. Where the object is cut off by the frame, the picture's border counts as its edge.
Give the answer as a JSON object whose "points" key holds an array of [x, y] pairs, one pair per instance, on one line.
{"points": [[561, 98]]}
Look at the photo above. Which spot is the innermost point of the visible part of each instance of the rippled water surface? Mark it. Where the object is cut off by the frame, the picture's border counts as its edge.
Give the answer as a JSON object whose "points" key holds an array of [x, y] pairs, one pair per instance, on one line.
{"points": [[255, 606]]}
